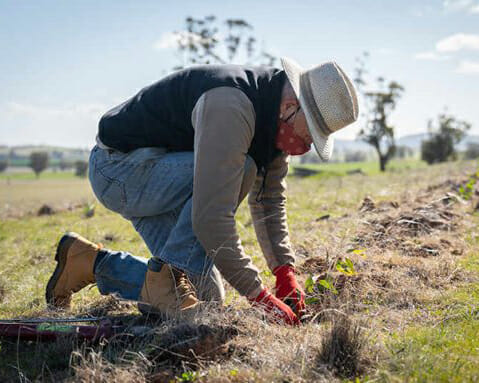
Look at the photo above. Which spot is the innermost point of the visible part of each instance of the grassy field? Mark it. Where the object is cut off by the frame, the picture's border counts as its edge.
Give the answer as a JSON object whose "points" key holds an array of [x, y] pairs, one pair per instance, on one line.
{"points": [[21, 193], [367, 167], [406, 310], [28, 175]]}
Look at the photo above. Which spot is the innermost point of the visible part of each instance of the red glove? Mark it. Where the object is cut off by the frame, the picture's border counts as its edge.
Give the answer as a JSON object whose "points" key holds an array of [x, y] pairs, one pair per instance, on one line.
{"points": [[288, 289], [277, 311]]}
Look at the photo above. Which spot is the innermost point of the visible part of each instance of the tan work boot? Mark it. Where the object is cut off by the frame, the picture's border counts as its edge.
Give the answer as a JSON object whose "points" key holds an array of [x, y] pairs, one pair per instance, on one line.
{"points": [[75, 261], [168, 293]]}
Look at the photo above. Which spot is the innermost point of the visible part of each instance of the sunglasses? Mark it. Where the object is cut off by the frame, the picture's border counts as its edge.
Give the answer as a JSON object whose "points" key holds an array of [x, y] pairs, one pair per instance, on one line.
{"points": [[293, 114]]}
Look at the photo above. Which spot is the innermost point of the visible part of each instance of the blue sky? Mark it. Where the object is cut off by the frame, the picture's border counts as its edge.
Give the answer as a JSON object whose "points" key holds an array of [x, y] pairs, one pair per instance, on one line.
{"points": [[64, 63]]}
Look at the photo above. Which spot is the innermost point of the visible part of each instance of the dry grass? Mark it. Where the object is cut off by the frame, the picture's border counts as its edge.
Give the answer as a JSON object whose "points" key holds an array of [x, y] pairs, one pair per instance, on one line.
{"points": [[25, 197], [403, 253], [343, 348], [410, 237]]}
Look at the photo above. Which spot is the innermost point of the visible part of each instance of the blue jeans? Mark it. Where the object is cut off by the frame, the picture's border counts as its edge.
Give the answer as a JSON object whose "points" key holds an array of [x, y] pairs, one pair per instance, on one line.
{"points": [[152, 188]]}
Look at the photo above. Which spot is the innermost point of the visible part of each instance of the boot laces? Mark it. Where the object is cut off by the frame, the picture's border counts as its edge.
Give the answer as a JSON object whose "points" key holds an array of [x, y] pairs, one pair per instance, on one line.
{"points": [[182, 283]]}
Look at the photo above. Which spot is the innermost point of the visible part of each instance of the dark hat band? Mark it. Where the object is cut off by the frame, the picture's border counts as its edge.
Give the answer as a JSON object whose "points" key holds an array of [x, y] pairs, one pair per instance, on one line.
{"points": [[305, 86]]}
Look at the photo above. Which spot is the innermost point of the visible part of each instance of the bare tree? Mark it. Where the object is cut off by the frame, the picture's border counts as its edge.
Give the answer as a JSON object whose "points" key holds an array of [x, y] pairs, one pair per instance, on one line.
{"points": [[38, 162], [380, 103], [206, 41]]}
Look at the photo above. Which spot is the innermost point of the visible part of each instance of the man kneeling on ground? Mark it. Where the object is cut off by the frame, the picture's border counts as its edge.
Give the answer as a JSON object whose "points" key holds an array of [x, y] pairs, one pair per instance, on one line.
{"points": [[178, 158]]}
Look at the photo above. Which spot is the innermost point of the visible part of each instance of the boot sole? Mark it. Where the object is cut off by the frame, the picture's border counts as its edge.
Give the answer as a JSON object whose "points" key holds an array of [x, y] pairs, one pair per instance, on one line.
{"points": [[147, 309], [61, 258]]}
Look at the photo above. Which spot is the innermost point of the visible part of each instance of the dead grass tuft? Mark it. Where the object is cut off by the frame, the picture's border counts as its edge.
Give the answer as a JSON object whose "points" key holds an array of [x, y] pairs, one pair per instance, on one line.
{"points": [[94, 367], [314, 265], [368, 205], [192, 344], [343, 348]]}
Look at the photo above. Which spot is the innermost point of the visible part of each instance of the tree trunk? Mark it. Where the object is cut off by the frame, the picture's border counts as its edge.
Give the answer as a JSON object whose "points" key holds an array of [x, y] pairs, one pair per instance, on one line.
{"points": [[382, 163]]}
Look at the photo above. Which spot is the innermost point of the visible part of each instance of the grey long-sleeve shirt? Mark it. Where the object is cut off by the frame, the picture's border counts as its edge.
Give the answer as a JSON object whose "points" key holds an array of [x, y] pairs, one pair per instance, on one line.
{"points": [[224, 123]]}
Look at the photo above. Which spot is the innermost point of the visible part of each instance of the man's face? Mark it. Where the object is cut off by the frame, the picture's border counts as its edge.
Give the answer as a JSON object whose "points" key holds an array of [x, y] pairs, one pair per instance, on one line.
{"points": [[297, 118]]}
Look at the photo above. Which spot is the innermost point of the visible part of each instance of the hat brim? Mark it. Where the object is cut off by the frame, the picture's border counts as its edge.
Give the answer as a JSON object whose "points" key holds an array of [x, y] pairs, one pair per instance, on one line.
{"points": [[323, 144]]}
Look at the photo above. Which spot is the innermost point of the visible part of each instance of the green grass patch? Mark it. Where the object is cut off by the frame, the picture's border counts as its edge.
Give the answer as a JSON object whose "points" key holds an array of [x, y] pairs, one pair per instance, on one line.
{"points": [[30, 176], [368, 167], [446, 348]]}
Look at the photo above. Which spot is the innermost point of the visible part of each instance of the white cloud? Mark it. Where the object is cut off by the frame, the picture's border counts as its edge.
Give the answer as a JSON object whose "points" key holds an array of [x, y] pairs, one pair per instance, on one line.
{"points": [[431, 56], [470, 6], [468, 67], [453, 43], [457, 42]]}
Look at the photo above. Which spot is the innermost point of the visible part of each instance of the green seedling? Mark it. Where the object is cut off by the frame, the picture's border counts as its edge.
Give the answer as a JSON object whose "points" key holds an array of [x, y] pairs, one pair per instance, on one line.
{"points": [[313, 282], [467, 189], [187, 376], [346, 267], [327, 285]]}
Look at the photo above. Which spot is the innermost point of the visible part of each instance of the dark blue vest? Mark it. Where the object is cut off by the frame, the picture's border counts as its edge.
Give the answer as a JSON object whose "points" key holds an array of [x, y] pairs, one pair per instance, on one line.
{"points": [[160, 114]]}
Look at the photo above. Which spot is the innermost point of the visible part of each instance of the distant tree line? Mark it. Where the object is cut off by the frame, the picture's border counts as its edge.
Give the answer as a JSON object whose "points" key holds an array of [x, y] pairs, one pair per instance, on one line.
{"points": [[41, 160]]}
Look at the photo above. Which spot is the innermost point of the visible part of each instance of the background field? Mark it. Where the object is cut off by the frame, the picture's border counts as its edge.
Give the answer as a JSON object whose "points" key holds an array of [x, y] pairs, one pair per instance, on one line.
{"points": [[413, 297]]}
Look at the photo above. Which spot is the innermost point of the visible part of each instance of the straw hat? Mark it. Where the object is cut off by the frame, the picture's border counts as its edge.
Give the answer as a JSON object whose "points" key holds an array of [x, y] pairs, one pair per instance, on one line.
{"points": [[328, 99]]}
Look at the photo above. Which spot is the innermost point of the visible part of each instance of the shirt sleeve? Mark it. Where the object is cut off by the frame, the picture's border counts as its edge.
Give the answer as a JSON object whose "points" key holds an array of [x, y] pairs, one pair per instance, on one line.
{"points": [[269, 215], [224, 121]]}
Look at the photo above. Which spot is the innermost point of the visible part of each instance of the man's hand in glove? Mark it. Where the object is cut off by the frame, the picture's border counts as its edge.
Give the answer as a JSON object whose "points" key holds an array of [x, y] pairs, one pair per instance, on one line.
{"points": [[277, 311], [288, 289]]}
